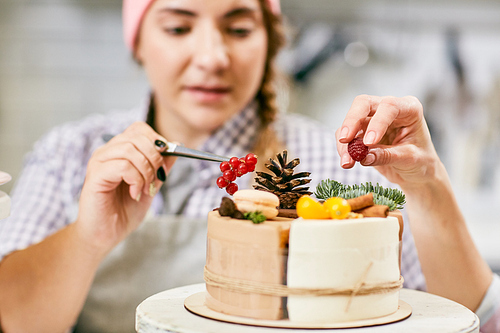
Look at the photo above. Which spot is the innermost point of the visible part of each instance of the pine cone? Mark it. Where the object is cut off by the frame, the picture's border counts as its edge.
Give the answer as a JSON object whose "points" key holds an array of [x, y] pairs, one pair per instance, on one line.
{"points": [[283, 182]]}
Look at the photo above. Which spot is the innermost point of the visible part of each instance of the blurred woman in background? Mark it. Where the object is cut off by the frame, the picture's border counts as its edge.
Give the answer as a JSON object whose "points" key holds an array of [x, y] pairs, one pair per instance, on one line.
{"points": [[97, 227]]}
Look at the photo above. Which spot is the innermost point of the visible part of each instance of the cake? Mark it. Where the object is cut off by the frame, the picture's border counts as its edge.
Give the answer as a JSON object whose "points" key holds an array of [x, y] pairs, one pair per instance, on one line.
{"points": [[273, 270], [338, 262]]}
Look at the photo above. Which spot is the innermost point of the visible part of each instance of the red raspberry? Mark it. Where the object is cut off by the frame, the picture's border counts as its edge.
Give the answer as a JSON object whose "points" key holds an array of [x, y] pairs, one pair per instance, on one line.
{"points": [[222, 182], [357, 149], [251, 159], [229, 175], [232, 188], [224, 166]]}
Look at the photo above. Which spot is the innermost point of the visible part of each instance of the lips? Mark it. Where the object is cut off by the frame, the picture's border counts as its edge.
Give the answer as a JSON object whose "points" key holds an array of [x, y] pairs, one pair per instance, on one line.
{"points": [[208, 93]]}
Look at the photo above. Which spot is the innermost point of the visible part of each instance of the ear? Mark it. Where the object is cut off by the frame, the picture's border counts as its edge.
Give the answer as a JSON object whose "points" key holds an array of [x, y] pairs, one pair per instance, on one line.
{"points": [[137, 52]]}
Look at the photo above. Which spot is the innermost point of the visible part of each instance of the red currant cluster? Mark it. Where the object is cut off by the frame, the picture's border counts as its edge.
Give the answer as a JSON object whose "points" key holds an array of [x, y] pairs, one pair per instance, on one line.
{"points": [[236, 167]]}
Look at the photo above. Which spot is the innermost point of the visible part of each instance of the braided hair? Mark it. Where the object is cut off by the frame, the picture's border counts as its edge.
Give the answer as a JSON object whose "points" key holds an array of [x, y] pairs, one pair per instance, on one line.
{"points": [[267, 144]]}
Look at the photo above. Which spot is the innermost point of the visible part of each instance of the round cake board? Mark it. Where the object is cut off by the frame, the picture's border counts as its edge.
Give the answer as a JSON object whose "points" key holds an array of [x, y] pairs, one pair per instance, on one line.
{"points": [[196, 304]]}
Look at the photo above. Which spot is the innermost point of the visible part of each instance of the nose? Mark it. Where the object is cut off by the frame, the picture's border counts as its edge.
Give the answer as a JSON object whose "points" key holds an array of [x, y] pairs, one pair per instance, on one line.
{"points": [[211, 50]]}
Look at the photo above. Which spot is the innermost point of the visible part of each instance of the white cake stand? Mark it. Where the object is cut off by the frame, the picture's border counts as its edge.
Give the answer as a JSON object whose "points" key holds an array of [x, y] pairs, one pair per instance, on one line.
{"points": [[4, 198], [165, 312]]}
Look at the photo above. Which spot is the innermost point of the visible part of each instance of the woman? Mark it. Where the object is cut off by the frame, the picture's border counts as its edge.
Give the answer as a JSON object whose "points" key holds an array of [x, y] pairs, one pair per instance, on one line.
{"points": [[97, 227]]}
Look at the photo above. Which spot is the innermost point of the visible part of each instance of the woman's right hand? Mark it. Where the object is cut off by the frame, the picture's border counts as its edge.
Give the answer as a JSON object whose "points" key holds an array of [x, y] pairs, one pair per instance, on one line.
{"points": [[120, 184]]}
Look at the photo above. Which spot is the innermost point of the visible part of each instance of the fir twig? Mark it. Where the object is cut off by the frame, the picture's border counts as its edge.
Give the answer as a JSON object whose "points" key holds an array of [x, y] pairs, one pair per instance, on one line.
{"points": [[328, 188], [393, 198]]}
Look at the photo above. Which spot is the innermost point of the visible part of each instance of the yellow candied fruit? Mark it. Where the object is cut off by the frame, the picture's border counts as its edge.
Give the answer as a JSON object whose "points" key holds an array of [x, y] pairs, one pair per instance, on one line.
{"points": [[337, 208], [310, 209]]}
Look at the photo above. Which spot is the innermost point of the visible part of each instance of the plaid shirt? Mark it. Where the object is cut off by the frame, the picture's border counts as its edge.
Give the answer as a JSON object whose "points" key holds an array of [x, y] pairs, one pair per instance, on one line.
{"points": [[46, 195]]}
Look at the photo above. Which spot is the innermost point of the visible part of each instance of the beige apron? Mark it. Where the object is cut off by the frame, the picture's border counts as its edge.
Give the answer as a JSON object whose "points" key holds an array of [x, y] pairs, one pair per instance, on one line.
{"points": [[162, 253]]}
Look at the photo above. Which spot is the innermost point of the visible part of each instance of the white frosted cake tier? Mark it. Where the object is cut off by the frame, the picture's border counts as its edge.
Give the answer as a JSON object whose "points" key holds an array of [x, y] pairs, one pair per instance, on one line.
{"points": [[342, 254], [4, 205]]}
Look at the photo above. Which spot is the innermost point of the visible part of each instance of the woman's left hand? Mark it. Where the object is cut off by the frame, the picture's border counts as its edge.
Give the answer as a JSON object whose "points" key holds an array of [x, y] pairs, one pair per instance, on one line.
{"points": [[400, 147], [396, 133]]}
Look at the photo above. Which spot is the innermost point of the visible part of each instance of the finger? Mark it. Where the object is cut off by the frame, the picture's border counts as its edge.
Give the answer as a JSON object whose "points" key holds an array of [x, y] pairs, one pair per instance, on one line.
{"points": [[168, 163], [363, 107], [402, 157], [128, 151], [147, 147], [140, 128], [113, 173], [150, 143], [392, 111], [345, 159]]}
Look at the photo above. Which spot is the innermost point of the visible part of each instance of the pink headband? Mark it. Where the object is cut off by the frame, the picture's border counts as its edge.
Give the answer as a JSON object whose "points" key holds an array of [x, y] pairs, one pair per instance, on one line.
{"points": [[134, 10]]}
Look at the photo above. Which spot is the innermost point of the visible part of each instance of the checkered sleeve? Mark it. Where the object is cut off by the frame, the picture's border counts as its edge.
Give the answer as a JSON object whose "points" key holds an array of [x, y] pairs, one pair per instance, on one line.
{"points": [[38, 203], [489, 310], [45, 197]]}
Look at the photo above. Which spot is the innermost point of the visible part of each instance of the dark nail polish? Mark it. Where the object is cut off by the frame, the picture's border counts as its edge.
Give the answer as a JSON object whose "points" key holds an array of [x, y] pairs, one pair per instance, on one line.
{"points": [[161, 174], [160, 144]]}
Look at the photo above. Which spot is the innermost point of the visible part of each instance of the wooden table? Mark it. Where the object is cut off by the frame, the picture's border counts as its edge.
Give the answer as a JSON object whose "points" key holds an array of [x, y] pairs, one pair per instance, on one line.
{"points": [[165, 312]]}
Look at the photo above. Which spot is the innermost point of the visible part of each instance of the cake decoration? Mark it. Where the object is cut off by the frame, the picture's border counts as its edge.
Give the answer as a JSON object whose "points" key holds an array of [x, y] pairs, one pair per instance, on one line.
{"points": [[357, 149], [308, 208], [236, 167], [340, 208], [228, 208], [250, 201], [253, 205], [282, 180], [338, 262], [393, 198]]}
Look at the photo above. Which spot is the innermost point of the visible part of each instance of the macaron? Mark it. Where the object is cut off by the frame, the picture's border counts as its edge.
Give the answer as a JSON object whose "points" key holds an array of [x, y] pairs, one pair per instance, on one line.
{"points": [[254, 200]]}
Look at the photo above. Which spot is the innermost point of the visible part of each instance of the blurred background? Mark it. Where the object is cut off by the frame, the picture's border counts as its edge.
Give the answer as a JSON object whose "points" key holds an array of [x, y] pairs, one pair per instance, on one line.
{"points": [[63, 59]]}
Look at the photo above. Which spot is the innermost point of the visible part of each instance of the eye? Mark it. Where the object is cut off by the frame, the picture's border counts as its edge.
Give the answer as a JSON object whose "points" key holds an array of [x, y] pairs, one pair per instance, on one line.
{"points": [[178, 31], [239, 32]]}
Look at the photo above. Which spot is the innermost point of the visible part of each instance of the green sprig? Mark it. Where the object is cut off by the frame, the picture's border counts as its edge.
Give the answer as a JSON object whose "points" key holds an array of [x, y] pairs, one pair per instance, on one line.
{"points": [[328, 188], [393, 198], [255, 217]]}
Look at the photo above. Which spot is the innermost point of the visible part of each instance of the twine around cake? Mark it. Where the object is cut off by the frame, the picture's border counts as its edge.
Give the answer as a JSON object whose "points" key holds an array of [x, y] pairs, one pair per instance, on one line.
{"points": [[279, 290]]}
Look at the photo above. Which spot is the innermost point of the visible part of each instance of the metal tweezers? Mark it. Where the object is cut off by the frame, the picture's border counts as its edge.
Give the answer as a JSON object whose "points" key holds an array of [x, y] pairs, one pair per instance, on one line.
{"points": [[181, 151]]}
